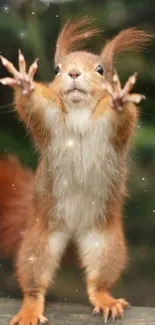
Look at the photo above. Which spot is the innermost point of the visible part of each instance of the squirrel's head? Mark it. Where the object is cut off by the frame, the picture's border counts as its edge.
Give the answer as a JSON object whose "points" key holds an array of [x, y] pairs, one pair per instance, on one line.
{"points": [[80, 74]]}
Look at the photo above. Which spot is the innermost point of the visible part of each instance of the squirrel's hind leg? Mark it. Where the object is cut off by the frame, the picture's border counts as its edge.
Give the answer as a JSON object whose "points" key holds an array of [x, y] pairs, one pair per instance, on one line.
{"points": [[103, 256], [38, 259]]}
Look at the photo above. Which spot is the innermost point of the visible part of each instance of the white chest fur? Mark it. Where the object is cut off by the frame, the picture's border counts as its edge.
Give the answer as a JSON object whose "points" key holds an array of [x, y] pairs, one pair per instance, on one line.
{"points": [[83, 165]]}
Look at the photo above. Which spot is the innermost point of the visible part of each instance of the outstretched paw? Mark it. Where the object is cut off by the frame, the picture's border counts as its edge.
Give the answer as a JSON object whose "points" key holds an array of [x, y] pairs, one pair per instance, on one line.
{"points": [[21, 78], [120, 96]]}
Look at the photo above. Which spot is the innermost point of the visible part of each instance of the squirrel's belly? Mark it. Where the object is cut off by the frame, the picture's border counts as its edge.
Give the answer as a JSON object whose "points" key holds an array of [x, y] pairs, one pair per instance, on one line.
{"points": [[83, 170], [78, 210]]}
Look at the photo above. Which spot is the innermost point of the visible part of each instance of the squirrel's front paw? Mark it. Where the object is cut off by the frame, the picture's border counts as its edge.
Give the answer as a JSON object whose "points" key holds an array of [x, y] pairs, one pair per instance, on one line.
{"points": [[120, 96], [21, 78]]}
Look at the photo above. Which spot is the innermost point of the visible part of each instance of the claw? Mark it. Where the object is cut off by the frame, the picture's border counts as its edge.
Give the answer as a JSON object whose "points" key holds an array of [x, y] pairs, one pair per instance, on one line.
{"points": [[120, 310], [96, 310], [135, 98], [8, 82], [114, 313], [129, 84], [4, 61], [33, 68], [117, 84], [106, 314], [124, 303], [133, 78], [10, 67], [22, 63], [43, 320]]}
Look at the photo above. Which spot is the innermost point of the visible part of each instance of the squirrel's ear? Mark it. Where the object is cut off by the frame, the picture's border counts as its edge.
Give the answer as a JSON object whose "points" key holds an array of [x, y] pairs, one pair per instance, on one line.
{"points": [[73, 34], [131, 39]]}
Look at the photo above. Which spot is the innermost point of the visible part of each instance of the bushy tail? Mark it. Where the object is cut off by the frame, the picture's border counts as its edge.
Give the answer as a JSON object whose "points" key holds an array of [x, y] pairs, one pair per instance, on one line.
{"points": [[16, 188]]}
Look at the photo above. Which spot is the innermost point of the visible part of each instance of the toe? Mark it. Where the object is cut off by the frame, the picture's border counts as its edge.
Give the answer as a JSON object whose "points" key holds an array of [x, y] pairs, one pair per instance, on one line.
{"points": [[120, 310], [129, 84], [14, 320], [22, 63], [106, 312], [32, 70], [43, 320], [114, 313], [123, 302], [10, 67], [96, 310], [134, 98], [9, 82], [116, 81]]}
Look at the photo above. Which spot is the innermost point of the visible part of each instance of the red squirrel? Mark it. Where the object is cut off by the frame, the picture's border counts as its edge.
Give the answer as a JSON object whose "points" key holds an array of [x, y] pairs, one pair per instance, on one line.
{"points": [[82, 124]]}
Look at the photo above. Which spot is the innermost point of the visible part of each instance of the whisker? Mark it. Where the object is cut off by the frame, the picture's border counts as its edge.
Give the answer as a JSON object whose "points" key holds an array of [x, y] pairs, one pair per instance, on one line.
{"points": [[8, 105], [147, 114], [9, 111]]}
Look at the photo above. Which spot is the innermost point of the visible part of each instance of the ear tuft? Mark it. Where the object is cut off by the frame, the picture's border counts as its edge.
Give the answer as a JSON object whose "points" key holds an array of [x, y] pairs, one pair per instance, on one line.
{"points": [[131, 39], [73, 34]]}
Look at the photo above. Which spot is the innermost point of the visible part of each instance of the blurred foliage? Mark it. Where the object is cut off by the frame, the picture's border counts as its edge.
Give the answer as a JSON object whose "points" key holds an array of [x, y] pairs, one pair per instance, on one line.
{"points": [[33, 26]]}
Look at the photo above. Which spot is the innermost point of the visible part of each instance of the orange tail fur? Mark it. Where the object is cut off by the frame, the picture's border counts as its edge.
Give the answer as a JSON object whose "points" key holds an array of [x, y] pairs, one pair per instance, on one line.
{"points": [[16, 187]]}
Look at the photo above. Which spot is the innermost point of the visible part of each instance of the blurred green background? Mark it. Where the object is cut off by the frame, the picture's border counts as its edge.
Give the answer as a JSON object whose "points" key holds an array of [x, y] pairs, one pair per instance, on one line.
{"points": [[33, 27]]}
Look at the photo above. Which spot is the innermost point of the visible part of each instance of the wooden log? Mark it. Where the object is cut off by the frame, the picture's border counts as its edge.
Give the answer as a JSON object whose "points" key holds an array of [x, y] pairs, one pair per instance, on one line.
{"points": [[77, 314]]}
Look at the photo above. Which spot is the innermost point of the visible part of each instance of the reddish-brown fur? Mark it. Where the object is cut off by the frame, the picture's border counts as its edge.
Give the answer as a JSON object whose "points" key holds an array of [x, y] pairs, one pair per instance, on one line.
{"points": [[16, 189], [131, 39], [16, 204], [73, 35], [37, 259]]}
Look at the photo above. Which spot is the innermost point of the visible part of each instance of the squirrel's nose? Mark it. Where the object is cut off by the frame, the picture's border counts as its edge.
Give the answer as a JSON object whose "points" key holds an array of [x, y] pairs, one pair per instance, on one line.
{"points": [[74, 74]]}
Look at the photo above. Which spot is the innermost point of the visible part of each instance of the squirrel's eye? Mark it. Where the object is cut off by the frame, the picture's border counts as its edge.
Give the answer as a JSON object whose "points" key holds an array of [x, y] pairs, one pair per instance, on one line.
{"points": [[57, 70], [99, 69]]}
